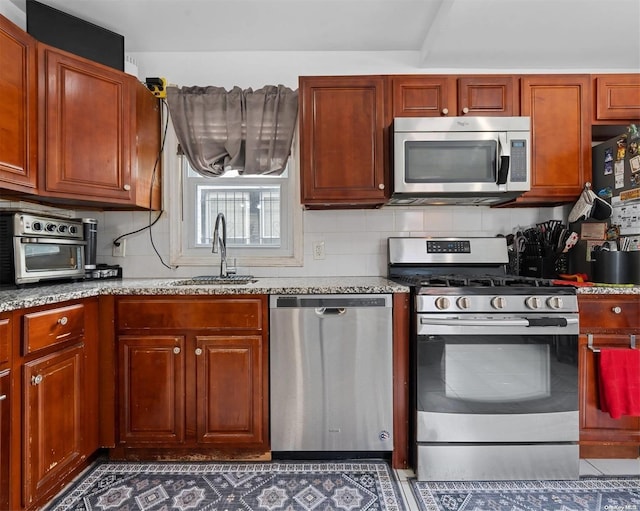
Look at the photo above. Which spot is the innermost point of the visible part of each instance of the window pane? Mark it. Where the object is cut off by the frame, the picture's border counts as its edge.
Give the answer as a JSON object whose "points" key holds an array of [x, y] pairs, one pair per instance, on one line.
{"points": [[252, 214]]}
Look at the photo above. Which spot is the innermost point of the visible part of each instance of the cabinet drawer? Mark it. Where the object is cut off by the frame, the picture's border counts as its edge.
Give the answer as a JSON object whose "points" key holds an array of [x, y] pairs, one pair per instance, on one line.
{"points": [[54, 326], [609, 313], [244, 313]]}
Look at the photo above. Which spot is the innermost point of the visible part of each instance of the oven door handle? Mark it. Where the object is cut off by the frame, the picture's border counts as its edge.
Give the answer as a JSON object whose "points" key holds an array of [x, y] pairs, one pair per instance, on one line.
{"points": [[525, 322], [52, 241]]}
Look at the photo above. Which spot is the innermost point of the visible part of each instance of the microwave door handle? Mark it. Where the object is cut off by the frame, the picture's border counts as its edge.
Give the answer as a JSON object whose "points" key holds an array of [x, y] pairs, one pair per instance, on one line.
{"points": [[503, 154]]}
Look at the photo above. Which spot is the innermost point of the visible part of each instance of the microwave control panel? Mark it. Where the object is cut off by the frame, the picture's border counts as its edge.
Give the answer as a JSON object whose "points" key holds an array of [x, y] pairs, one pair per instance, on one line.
{"points": [[518, 161]]}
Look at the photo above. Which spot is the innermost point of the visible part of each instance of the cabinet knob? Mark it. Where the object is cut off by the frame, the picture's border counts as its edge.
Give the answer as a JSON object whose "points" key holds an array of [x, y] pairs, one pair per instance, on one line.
{"points": [[445, 111], [127, 187], [465, 110], [381, 186], [616, 310], [198, 351], [176, 350], [3, 397], [63, 320], [36, 380]]}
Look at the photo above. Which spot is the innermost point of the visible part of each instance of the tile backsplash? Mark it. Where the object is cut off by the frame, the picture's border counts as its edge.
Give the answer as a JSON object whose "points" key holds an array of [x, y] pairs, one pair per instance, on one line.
{"points": [[355, 241]]}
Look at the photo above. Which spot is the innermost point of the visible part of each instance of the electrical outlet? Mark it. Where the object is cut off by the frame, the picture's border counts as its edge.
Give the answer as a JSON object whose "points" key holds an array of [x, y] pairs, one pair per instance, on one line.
{"points": [[119, 250], [318, 250]]}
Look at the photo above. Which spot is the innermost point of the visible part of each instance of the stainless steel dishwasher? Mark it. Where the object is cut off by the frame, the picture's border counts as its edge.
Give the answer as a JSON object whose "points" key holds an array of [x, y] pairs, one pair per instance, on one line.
{"points": [[331, 373]]}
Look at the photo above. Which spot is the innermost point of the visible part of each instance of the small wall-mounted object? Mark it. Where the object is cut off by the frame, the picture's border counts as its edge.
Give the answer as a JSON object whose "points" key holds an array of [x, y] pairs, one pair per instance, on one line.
{"points": [[158, 86]]}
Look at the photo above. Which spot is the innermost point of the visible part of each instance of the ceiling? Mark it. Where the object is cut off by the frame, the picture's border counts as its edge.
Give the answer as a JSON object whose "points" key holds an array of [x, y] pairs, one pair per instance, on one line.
{"points": [[493, 34]]}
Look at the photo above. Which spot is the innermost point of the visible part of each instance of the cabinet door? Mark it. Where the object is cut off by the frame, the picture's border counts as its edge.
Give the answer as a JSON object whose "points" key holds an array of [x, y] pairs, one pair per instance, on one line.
{"points": [[343, 141], [5, 437], [617, 98], [151, 389], [18, 121], [87, 108], [488, 96], [231, 390], [423, 96], [559, 107], [596, 426], [53, 419], [148, 163]]}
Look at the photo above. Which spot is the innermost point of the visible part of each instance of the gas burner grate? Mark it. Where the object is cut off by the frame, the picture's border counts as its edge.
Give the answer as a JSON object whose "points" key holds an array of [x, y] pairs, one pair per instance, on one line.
{"points": [[459, 280]]}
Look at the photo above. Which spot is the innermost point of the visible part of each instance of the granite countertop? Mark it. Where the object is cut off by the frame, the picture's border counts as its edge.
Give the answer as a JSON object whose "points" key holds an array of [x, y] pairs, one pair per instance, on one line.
{"points": [[13, 299]]}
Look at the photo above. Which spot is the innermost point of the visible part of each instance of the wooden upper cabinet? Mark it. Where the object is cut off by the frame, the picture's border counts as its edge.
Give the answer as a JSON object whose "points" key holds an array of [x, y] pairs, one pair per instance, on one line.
{"points": [[617, 98], [343, 141], [147, 162], [86, 143], [441, 96], [560, 111], [488, 95], [18, 110], [423, 95]]}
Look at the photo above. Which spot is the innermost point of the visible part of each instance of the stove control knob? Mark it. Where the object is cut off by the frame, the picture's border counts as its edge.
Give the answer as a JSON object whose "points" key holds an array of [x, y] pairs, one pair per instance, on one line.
{"points": [[498, 302], [463, 302], [533, 302], [50, 227], [442, 303], [554, 302]]}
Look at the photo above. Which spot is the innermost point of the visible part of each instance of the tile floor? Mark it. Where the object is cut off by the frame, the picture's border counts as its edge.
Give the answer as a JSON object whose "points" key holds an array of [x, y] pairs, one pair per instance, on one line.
{"points": [[588, 467]]}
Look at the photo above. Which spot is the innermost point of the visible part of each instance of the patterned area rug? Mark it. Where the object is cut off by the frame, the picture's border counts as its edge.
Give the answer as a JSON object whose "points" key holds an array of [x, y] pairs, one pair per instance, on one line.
{"points": [[593, 494], [295, 486]]}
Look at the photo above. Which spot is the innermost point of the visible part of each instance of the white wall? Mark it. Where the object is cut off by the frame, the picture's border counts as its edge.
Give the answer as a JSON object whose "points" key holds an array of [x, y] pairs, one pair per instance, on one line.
{"points": [[355, 241]]}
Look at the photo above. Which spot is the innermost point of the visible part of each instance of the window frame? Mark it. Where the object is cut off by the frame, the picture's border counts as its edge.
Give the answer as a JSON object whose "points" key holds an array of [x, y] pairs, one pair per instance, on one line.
{"points": [[180, 254]]}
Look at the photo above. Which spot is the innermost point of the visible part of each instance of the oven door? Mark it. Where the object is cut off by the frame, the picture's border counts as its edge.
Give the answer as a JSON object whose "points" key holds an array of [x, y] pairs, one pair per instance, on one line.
{"points": [[497, 379], [38, 259]]}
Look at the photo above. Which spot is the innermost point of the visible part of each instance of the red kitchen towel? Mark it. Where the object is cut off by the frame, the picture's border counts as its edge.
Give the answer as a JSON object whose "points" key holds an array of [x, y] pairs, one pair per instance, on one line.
{"points": [[620, 382]]}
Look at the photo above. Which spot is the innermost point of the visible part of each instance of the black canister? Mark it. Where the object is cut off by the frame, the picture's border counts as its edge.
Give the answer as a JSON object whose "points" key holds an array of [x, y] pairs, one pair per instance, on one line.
{"points": [[90, 230], [616, 267]]}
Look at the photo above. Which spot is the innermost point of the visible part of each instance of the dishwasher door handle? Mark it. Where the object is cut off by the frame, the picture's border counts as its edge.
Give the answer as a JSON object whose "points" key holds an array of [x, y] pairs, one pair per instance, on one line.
{"points": [[330, 311]]}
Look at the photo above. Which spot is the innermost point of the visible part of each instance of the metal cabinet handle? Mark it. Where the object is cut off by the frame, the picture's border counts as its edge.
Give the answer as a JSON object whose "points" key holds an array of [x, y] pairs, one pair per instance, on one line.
{"points": [[381, 186], [63, 320], [3, 397], [198, 351], [176, 350], [445, 111], [36, 380], [616, 310], [127, 187], [465, 110]]}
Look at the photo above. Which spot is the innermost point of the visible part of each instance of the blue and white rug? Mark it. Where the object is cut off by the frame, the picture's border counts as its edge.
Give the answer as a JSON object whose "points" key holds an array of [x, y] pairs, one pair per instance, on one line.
{"points": [[588, 494], [273, 486]]}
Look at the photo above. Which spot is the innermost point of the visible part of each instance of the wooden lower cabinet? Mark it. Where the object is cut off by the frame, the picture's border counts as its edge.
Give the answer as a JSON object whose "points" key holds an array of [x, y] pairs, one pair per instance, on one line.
{"points": [[606, 321], [151, 389], [229, 390], [5, 436], [53, 419], [201, 389]]}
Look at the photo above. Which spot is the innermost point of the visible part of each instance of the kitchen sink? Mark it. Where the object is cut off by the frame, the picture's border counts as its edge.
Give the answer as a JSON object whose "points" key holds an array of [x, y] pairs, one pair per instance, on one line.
{"points": [[216, 279]]}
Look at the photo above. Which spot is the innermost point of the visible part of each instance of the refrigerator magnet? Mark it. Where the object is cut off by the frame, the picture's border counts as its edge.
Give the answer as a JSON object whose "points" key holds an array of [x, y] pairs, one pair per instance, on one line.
{"points": [[634, 164], [622, 148]]}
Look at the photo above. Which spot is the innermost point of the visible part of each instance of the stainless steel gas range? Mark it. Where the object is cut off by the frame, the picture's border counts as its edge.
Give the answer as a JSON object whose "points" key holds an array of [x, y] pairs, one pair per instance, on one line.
{"points": [[494, 364]]}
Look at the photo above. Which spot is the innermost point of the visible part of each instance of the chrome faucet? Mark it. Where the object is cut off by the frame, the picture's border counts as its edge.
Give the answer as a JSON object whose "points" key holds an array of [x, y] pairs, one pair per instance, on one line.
{"points": [[221, 241]]}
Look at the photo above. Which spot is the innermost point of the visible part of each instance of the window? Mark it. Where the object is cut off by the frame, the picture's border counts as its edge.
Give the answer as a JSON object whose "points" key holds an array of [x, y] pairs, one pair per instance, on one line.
{"points": [[263, 217]]}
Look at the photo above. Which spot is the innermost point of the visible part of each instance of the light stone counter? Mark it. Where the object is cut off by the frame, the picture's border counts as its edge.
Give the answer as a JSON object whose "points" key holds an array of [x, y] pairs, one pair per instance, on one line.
{"points": [[609, 289], [13, 299]]}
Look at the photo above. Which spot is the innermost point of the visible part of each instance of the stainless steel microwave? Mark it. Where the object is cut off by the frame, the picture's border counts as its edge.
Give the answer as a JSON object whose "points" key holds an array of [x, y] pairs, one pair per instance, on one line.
{"points": [[460, 160]]}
